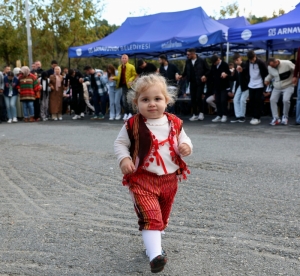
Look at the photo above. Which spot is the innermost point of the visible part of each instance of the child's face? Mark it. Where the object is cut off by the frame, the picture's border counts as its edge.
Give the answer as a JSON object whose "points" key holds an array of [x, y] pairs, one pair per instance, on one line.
{"points": [[152, 103]]}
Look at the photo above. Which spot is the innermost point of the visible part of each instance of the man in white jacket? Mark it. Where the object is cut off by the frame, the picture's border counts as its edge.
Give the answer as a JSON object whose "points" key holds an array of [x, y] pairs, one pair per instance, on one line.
{"points": [[281, 72]]}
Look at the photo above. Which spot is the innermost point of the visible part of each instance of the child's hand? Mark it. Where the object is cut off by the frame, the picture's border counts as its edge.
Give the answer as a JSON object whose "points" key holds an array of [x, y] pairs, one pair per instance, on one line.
{"points": [[127, 166], [184, 149]]}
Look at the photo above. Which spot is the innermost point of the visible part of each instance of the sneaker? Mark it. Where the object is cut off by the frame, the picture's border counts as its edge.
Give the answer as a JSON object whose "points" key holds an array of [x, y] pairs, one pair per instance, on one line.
{"points": [[217, 119], [111, 118], [26, 120], [45, 119], [118, 117], [9, 121], [255, 121], [15, 120], [94, 118], [158, 263], [284, 121], [129, 116], [194, 118], [82, 115], [224, 119], [201, 117], [76, 117], [236, 120], [125, 116], [55, 119], [60, 118], [241, 120], [101, 116], [275, 122]]}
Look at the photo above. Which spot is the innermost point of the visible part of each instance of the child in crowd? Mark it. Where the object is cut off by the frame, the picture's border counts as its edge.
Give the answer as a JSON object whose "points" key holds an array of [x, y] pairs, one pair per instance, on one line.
{"points": [[149, 148]]}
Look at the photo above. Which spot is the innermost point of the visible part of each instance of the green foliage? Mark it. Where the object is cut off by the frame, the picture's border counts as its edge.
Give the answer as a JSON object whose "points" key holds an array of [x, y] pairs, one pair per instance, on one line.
{"points": [[56, 25], [230, 10]]}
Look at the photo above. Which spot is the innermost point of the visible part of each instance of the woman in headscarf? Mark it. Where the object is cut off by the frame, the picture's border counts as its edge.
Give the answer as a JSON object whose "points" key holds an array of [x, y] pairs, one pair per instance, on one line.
{"points": [[19, 106], [56, 95], [29, 88]]}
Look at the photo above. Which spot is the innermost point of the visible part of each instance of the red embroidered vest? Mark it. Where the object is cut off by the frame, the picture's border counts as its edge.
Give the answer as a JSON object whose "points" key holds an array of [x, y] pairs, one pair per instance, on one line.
{"points": [[143, 144]]}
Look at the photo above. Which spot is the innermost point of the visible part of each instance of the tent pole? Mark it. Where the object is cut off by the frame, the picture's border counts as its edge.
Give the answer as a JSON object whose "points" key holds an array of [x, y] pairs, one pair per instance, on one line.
{"points": [[227, 53], [222, 51]]}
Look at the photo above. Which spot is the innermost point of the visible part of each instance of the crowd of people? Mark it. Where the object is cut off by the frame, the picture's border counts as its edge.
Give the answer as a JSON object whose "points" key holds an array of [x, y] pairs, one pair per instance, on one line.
{"points": [[34, 94]]}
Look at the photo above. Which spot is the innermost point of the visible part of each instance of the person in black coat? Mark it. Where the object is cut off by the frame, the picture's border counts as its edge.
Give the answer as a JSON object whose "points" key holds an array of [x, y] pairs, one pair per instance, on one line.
{"points": [[196, 71], [256, 70], [168, 70], [220, 75]]}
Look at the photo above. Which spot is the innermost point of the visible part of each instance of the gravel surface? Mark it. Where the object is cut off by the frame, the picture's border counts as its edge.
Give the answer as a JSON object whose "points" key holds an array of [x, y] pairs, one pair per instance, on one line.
{"points": [[64, 211]]}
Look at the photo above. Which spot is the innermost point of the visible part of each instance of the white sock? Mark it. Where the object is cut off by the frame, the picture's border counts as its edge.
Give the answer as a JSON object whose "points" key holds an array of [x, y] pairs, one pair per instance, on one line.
{"points": [[152, 241]]}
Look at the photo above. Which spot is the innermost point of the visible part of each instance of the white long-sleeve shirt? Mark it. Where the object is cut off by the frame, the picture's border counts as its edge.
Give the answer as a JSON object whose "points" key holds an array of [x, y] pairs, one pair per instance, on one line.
{"points": [[160, 128]]}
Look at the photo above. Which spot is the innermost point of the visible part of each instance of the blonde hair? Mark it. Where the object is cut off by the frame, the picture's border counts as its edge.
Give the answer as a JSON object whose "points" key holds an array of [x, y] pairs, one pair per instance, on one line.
{"points": [[144, 82]]}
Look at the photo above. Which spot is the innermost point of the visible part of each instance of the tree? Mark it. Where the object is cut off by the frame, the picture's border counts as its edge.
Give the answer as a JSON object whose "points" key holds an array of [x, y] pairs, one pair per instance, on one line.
{"points": [[62, 24], [12, 32], [254, 20], [230, 10]]}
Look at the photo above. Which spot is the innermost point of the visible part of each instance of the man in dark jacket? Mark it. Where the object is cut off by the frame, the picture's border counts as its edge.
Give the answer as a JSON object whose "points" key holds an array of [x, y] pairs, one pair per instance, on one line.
{"points": [[220, 75], [257, 72], [168, 70], [241, 90], [196, 70]]}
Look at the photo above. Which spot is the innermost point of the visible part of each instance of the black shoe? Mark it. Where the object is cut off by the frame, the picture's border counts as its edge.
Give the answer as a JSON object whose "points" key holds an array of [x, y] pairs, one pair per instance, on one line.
{"points": [[242, 120], [297, 124], [158, 263], [236, 120]]}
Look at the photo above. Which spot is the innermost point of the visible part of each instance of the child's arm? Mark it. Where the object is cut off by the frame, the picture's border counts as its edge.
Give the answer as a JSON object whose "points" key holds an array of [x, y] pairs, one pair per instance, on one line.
{"points": [[185, 146], [121, 146]]}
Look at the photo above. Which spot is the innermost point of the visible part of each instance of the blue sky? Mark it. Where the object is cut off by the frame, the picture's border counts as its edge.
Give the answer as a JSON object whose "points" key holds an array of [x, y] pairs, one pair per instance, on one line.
{"points": [[116, 11]]}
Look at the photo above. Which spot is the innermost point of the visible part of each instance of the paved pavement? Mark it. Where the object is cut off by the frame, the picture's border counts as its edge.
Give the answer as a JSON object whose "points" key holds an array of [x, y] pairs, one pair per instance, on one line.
{"points": [[63, 210]]}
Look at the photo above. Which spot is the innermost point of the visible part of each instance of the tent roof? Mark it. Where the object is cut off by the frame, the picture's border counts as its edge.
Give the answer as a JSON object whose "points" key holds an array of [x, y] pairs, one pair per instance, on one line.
{"points": [[240, 21], [282, 32], [158, 33]]}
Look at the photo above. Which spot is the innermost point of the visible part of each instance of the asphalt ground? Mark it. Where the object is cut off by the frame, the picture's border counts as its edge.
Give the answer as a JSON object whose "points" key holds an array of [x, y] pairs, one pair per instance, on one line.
{"points": [[64, 211]]}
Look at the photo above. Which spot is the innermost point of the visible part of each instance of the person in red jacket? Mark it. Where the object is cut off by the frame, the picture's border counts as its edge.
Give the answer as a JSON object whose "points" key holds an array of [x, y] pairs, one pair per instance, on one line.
{"points": [[296, 81], [28, 89]]}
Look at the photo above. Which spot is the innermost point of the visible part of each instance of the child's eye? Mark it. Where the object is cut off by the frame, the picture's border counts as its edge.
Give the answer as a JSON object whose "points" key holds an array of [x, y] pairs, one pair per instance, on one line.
{"points": [[158, 99], [145, 100]]}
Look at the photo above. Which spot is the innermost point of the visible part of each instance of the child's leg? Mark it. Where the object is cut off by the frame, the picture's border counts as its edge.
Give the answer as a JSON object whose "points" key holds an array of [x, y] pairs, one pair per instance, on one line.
{"points": [[166, 199], [152, 242]]}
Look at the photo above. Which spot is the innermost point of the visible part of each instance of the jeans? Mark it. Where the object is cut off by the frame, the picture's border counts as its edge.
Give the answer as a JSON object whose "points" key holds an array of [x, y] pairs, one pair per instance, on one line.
{"points": [[298, 104], [240, 102], [28, 109], [255, 95], [11, 108], [126, 106], [286, 100], [96, 101], [114, 101]]}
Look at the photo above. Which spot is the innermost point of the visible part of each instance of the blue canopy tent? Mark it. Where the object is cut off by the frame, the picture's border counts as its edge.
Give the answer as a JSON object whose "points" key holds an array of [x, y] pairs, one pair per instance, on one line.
{"points": [[151, 35], [240, 21], [282, 32]]}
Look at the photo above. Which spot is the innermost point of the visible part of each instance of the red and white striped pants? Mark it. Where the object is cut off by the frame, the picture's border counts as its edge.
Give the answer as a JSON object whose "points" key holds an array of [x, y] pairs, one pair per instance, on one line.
{"points": [[153, 196]]}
